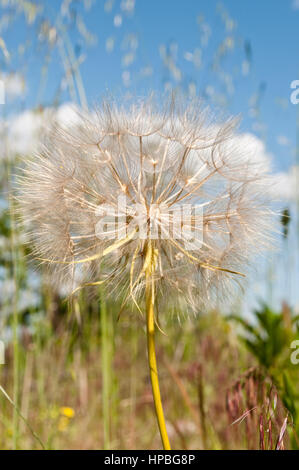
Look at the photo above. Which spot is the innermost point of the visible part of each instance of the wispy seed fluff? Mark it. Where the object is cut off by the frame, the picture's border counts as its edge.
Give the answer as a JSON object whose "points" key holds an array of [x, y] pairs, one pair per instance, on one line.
{"points": [[135, 169]]}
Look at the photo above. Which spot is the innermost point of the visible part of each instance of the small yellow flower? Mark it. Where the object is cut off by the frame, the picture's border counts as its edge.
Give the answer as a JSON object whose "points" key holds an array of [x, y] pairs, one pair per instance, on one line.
{"points": [[67, 411]]}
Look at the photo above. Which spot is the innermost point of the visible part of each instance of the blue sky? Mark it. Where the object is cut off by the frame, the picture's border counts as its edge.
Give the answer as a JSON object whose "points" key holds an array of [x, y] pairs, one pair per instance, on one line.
{"points": [[268, 27], [261, 38], [271, 26]]}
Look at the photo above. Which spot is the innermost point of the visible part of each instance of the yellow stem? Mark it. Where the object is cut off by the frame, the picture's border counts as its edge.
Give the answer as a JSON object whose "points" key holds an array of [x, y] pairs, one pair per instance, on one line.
{"points": [[150, 327]]}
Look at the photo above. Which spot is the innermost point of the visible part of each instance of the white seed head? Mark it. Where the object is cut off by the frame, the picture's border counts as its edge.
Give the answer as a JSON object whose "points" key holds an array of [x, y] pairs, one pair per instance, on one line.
{"points": [[137, 169]]}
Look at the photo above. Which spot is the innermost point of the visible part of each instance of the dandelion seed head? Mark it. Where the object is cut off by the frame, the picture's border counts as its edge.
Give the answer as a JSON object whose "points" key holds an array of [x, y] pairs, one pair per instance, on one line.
{"points": [[138, 167]]}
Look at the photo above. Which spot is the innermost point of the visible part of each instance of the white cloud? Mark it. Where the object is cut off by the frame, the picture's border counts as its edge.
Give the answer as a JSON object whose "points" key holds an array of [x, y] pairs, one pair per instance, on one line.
{"points": [[21, 133], [67, 115], [255, 151], [285, 184]]}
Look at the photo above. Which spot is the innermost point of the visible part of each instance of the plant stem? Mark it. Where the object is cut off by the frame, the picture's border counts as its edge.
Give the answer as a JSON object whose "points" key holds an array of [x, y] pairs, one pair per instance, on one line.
{"points": [[15, 322], [150, 328], [105, 370]]}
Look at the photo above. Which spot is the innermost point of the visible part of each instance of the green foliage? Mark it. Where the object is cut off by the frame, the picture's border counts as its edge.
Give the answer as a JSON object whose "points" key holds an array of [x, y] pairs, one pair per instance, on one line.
{"points": [[269, 339]]}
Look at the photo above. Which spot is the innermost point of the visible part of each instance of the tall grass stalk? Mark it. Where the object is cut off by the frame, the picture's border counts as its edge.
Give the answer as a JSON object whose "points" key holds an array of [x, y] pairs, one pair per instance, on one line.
{"points": [[133, 382], [19, 414], [106, 368], [14, 251]]}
